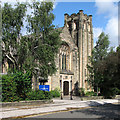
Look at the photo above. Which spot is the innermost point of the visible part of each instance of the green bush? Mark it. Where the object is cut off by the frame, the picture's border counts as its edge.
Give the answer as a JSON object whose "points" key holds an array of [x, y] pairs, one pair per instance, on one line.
{"points": [[38, 95], [35, 95], [0, 89], [23, 84], [91, 93], [55, 92], [118, 92], [110, 92], [48, 95], [9, 89], [81, 91], [15, 86]]}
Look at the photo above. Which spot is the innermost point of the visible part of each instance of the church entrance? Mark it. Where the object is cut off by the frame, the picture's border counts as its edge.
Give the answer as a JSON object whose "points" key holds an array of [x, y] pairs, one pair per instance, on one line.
{"points": [[66, 88]]}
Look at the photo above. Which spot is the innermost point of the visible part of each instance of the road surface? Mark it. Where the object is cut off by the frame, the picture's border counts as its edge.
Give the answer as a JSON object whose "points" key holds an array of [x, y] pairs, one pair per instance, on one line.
{"points": [[108, 111]]}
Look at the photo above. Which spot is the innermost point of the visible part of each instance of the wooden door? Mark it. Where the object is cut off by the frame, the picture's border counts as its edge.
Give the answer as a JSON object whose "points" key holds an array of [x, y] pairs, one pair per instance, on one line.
{"points": [[66, 88]]}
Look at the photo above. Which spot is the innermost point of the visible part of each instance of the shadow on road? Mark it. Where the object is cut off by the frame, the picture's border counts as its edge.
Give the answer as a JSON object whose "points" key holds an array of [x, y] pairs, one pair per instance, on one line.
{"points": [[109, 111]]}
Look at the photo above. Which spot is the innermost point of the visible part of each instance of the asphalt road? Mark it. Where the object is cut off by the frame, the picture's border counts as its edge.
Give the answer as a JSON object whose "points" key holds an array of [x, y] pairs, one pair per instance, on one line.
{"points": [[108, 111]]}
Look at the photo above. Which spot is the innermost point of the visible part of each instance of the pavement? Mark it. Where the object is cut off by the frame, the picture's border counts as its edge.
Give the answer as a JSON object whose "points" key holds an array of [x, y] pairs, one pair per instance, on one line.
{"points": [[57, 106]]}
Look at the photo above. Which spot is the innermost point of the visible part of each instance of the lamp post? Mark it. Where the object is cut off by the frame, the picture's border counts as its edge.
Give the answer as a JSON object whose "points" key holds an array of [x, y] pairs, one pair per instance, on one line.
{"points": [[71, 90], [61, 86]]}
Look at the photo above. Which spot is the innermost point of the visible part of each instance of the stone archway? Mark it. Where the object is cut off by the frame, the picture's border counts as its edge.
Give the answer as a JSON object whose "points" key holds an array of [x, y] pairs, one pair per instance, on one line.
{"points": [[66, 88]]}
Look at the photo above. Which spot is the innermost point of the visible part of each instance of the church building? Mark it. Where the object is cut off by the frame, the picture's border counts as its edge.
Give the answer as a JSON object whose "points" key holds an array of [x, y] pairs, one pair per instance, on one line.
{"points": [[72, 59]]}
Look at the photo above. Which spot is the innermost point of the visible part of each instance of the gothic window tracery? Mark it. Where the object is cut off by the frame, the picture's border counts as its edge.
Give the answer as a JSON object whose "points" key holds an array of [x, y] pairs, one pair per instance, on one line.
{"points": [[65, 57]]}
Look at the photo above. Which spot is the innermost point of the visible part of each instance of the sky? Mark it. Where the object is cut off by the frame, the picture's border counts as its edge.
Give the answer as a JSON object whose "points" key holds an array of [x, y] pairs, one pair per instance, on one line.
{"points": [[105, 15]]}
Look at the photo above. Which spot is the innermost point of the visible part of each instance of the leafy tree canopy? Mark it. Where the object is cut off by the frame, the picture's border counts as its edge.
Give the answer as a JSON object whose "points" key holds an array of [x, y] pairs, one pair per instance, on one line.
{"points": [[12, 22], [44, 38], [104, 68], [37, 50], [99, 53]]}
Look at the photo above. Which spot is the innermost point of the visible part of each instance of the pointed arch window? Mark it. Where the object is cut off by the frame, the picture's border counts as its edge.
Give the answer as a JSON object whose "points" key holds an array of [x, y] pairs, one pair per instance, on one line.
{"points": [[64, 57], [63, 62]]}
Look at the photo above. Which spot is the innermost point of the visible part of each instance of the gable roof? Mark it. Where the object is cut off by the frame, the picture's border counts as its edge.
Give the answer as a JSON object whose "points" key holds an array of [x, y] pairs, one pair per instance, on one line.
{"points": [[66, 37]]}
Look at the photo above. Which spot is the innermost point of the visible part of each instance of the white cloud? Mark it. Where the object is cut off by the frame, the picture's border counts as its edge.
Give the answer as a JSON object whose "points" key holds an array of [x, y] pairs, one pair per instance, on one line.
{"points": [[106, 0], [55, 4], [96, 33], [112, 30], [13, 2], [112, 26], [110, 9]]}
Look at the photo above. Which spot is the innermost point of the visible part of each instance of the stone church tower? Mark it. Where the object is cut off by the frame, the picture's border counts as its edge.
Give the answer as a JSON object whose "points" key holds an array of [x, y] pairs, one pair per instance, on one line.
{"points": [[77, 37]]}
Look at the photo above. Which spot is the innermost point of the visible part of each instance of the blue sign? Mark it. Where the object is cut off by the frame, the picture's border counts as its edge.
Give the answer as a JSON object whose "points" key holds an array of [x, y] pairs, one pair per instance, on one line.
{"points": [[44, 87]]}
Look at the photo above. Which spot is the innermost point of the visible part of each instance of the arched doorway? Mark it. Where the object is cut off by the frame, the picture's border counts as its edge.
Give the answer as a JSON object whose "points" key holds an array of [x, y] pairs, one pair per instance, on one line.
{"points": [[66, 88]]}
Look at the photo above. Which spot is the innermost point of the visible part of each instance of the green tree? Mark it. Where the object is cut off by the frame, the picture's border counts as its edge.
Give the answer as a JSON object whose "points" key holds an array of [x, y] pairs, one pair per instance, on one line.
{"points": [[118, 66], [110, 85], [99, 53], [12, 22], [104, 68], [44, 41], [36, 51]]}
